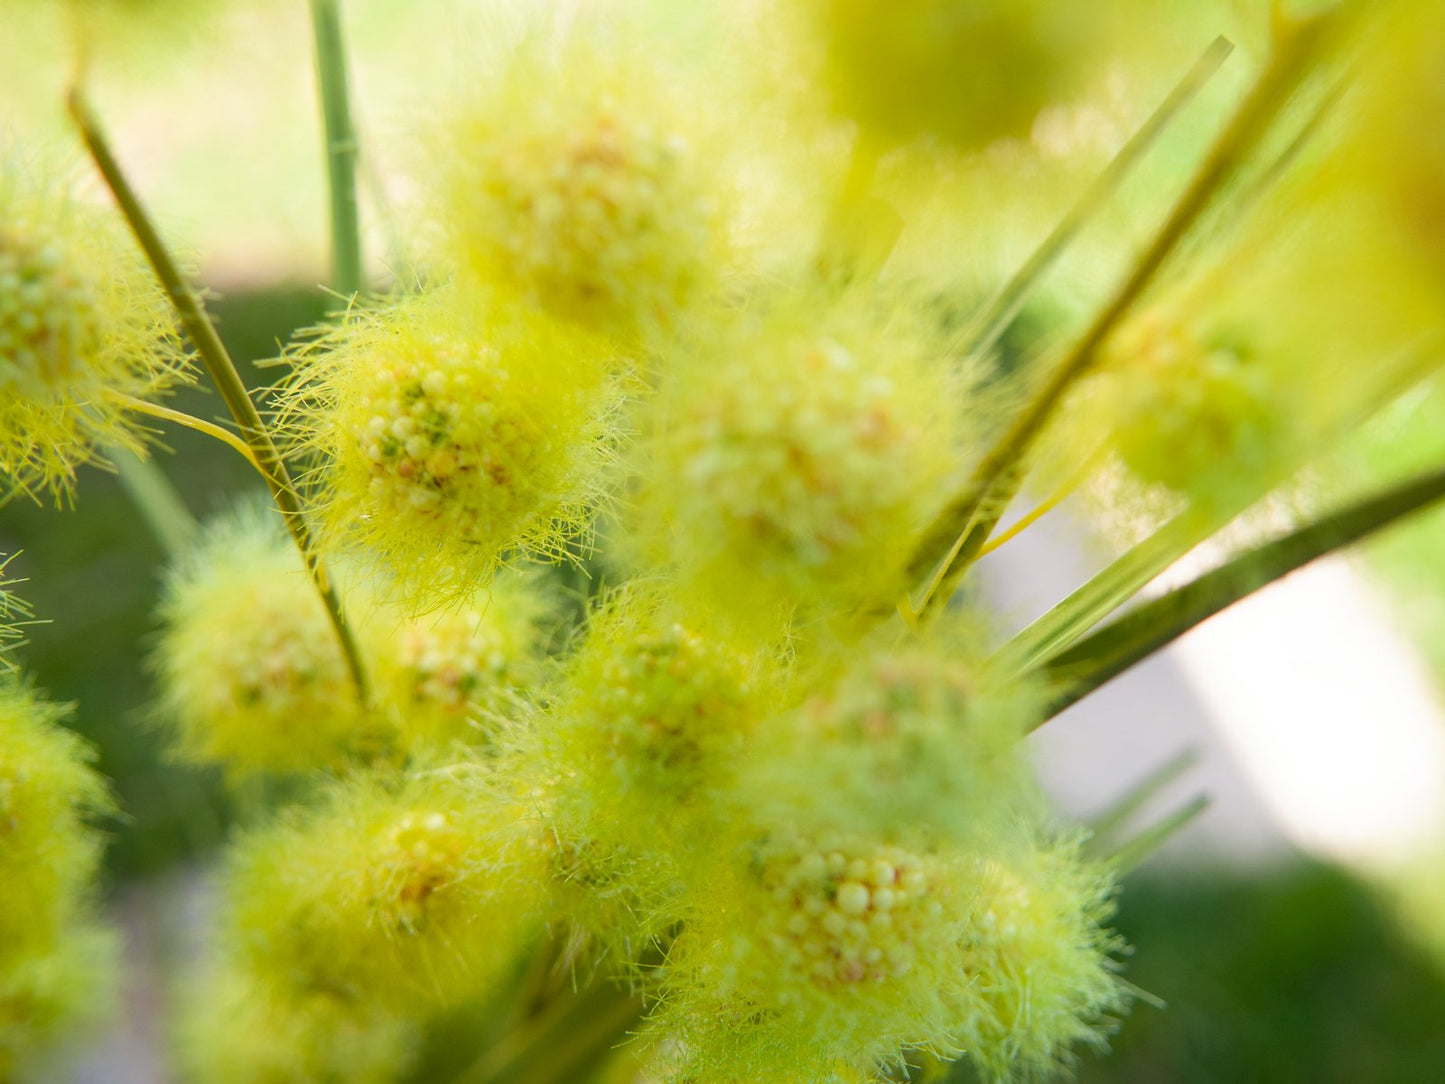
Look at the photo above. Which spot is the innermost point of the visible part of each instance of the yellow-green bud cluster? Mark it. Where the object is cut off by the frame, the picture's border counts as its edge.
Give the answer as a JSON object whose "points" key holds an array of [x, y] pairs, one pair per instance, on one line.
{"points": [[235, 1028], [645, 737], [586, 198], [1191, 407], [843, 950], [919, 741], [453, 675], [82, 327], [56, 962], [789, 457], [449, 438], [251, 671], [399, 892]]}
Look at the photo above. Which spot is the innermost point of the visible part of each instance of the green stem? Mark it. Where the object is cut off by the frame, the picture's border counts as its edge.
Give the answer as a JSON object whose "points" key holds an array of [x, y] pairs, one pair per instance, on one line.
{"points": [[156, 499], [223, 373], [1112, 649], [563, 1042], [347, 276], [1128, 857], [1108, 823], [961, 530]]}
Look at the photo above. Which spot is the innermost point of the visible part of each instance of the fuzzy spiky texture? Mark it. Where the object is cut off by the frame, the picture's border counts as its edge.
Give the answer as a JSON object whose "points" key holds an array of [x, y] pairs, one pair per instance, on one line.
{"points": [[790, 453], [588, 198], [396, 890], [448, 433], [82, 321], [648, 729], [1040, 961], [57, 963], [252, 675], [459, 675], [921, 740], [235, 1028]]}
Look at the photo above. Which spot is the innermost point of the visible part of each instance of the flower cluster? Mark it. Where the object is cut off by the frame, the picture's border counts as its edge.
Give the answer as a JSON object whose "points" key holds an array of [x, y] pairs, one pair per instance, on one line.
{"points": [[610, 654]]}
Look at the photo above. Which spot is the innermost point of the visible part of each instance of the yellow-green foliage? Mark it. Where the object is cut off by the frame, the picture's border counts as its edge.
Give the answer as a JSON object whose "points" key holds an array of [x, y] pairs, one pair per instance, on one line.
{"points": [[252, 676], [56, 962], [457, 675], [82, 327], [396, 890], [451, 432], [921, 740], [570, 174], [233, 1028], [790, 451]]}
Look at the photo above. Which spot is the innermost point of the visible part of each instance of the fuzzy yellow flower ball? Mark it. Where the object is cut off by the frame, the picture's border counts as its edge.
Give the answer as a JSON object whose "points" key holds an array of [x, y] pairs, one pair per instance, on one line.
{"points": [[400, 891], [83, 327], [252, 675], [571, 176], [792, 457], [449, 438]]}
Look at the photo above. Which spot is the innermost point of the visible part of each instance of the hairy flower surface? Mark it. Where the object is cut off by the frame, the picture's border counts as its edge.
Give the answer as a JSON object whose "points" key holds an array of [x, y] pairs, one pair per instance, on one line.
{"points": [[570, 176], [57, 963], [918, 741], [788, 458], [234, 1028], [252, 675], [448, 438], [455, 675], [818, 950], [397, 891], [83, 326]]}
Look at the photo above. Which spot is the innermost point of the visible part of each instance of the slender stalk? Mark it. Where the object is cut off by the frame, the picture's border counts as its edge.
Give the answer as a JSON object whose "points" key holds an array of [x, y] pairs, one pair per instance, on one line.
{"points": [[347, 276], [1129, 857], [200, 425], [984, 330], [1098, 658], [156, 499], [223, 373], [562, 1042], [1111, 820], [964, 526]]}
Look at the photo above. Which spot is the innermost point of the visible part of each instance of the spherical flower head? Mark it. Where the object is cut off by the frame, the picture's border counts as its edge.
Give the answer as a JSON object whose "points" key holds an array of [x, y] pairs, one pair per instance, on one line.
{"points": [[916, 741], [1040, 960], [251, 671], [48, 850], [83, 327], [576, 182], [1191, 405], [790, 459], [650, 721], [453, 676], [961, 70], [57, 963], [234, 1027], [447, 439], [400, 891], [828, 949], [46, 995]]}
